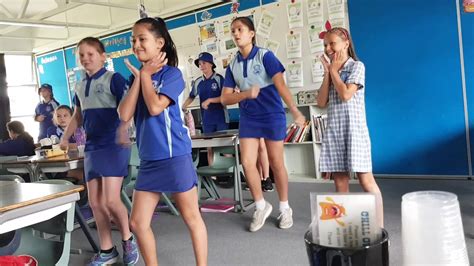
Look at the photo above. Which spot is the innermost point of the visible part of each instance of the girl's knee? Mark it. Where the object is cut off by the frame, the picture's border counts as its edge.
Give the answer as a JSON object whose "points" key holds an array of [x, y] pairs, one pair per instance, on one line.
{"points": [[113, 204], [137, 226]]}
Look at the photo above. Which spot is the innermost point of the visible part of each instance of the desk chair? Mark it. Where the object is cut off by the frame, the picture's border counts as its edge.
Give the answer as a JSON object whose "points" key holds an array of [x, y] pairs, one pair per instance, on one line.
{"points": [[129, 181], [14, 178], [10, 241], [55, 249], [221, 166]]}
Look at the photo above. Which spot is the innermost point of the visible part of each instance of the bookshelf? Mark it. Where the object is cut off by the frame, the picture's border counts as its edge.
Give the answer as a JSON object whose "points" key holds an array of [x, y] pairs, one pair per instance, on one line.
{"points": [[302, 158]]}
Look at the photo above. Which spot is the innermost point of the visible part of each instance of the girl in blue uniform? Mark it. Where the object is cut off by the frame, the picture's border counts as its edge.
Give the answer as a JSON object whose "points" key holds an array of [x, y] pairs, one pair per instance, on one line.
{"points": [[346, 142], [20, 142], [209, 88], [105, 162], [163, 141], [45, 109], [259, 75], [62, 117]]}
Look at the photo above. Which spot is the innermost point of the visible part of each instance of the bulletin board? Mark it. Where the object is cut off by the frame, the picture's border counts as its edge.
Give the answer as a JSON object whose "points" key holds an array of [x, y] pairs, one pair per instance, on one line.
{"points": [[51, 69]]}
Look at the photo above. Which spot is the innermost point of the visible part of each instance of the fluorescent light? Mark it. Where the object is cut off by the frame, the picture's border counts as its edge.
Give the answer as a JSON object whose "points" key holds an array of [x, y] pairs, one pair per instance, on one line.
{"points": [[31, 24]]}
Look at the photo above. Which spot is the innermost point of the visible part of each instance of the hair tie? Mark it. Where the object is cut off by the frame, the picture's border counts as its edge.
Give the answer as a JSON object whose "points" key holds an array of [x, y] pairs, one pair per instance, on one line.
{"points": [[328, 27]]}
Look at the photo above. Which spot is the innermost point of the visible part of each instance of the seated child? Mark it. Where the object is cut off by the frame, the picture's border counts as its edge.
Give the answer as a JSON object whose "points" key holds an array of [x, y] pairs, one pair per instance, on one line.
{"points": [[61, 118], [20, 142]]}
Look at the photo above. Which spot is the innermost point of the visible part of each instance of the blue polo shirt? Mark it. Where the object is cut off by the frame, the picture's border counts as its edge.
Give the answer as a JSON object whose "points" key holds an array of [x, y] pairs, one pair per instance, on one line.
{"points": [[216, 113], [163, 136], [257, 69], [98, 97], [46, 109]]}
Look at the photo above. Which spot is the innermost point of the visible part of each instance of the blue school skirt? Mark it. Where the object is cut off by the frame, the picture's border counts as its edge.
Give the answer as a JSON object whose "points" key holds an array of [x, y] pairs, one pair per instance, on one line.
{"points": [[106, 162], [172, 175], [272, 127]]}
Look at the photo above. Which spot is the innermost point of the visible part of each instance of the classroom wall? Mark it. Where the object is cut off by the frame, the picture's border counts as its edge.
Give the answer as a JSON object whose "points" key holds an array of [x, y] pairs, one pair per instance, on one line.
{"points": [[414, 92]]}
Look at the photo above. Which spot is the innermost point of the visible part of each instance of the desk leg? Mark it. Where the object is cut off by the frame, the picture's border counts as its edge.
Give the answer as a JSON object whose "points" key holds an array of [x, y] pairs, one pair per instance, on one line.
{"points": [[85, 228]]}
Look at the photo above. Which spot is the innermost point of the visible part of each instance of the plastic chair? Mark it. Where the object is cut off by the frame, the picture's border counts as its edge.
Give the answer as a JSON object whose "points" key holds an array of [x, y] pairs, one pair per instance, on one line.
{"points": [[15, 178], [10, 241], [129, 181], [55, 249], [221, 166]]}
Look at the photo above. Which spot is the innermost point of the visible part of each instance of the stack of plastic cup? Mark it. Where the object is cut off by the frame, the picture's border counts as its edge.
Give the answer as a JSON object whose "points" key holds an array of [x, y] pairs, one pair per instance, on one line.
{"points": [[432, 231]]}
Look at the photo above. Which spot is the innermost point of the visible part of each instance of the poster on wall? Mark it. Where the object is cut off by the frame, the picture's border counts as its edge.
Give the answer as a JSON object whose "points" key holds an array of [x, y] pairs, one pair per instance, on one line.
{"points": [[117, 48], [335, 10], [294, 74], [295, 15], [317, 70], [207, 32], [227, 45], [314, 9], [211, 48], [224, 28], [271, 45], [316, 45], [52, 70], [266, 24], [293, 45]]}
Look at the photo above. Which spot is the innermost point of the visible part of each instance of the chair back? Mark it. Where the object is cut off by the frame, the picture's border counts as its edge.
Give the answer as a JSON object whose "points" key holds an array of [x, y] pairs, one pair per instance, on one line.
{"points": [[220, 161], [14, 178]]}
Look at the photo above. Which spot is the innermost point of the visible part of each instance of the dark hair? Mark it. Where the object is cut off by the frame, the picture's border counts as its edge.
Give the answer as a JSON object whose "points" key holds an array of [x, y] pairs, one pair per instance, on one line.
{"points": [[157, 27], [92, 41], [344, 34], [247, 22], [18, 128], [65, 107]]}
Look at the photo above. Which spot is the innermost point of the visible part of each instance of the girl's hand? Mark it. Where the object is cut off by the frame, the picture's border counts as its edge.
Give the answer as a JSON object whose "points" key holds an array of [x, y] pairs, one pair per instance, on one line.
{"points": [[325, 63], [64, 144], [298, 117], [132, 68], [123, 138], [155, 64], [40, 118], [205, 104], [253, 92], [337, 61]]}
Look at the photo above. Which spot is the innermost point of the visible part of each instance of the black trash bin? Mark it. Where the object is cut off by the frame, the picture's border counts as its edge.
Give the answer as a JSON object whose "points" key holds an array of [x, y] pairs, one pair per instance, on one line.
{"points": [[373, 255]]}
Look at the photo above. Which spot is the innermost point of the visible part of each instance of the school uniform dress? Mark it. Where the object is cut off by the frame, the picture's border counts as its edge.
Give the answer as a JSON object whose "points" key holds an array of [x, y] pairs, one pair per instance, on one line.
{"points": [[216, 117], [98, 97], [264, 116], [78, 137], [46, 109], [346, 143], [164, 144], [17, 147]]}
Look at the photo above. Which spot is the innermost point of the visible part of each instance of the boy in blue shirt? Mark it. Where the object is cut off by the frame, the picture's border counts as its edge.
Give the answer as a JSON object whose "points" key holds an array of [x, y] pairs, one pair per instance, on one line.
{"points": [[45, 109]]}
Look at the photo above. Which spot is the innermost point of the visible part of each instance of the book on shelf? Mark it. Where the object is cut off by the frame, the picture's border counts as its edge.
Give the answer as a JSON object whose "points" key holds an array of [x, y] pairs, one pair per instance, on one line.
{"points": [[320, 123], [298, 134]]}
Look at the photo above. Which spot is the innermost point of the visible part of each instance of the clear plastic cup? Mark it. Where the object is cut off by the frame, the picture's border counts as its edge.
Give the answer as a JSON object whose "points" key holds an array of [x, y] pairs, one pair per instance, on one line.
{"points": [[432, 230]]}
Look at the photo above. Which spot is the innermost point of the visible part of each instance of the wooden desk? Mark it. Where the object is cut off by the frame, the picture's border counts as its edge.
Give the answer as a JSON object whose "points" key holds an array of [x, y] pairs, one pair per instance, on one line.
{"points": [[225, 138], [24, 204]]}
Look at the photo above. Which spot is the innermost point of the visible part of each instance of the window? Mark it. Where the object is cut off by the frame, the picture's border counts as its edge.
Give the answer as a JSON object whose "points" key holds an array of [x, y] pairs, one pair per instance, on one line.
{"points": [[22, 91]]}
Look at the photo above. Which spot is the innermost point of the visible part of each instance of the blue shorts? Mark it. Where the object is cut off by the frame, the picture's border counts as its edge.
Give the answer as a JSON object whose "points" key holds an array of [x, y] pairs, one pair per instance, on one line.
{"points": [[106, 162], [172, 175], [273, 128], [214, 127]]}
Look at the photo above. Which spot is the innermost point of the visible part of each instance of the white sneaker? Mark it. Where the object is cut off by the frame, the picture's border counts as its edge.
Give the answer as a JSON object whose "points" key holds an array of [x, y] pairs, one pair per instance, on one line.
{"points": [[259, 217], [286, 218]]}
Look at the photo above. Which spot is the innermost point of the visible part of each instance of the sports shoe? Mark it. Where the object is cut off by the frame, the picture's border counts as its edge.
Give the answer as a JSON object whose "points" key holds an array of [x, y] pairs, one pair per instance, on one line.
{"points": [[259, 217], [130, 251], [267, 185], [286, 218], [100, 258]]}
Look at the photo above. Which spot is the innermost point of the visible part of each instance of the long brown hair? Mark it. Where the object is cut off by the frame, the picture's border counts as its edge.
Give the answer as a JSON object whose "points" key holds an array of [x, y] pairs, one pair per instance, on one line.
{"points": [[344, 34], [18, 128]]}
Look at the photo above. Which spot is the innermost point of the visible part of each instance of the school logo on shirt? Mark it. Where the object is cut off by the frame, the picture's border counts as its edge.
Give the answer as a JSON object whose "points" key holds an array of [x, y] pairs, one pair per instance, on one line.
{"points": [[257, 69], [214, 86], [156, 86], [48, 108], [99, 88]]}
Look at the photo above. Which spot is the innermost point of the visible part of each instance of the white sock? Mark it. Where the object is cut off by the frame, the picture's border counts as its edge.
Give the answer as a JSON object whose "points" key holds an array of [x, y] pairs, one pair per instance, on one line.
{"points": [[260, 204], [284, 205]]}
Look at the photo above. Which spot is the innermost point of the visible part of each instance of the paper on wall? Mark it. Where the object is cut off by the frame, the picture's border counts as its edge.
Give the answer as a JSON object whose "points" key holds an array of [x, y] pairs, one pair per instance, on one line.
{"points": [[316, 45], [271, 45], [295, 15], [294, 74], [335, 9], [317, 70], [266, 24], [293, 45], [314, 10]]}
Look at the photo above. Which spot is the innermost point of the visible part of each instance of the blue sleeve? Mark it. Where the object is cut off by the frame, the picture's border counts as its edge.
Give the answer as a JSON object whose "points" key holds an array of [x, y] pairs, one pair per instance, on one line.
{"points": [[37, 110], [51, 131], [193, 92], [76, 101], [8, 148], [221, 82], [118, 85], [229, 79], [272, 64], [172, 84]]}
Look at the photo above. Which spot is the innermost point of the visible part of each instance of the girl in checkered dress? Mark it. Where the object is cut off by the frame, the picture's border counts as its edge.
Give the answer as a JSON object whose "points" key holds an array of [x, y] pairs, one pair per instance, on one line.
{"points": [[346, 144]]}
